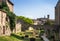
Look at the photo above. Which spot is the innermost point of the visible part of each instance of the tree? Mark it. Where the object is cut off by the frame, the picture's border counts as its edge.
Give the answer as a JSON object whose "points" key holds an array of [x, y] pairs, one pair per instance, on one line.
{"points": [[49, 22], [27, 20], [12, 18]]}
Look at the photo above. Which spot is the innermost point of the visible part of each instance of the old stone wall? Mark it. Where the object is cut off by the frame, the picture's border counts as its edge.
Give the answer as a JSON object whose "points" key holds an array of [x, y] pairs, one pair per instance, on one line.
{"points": [[4, 29], [10, 5], [52, 31]]}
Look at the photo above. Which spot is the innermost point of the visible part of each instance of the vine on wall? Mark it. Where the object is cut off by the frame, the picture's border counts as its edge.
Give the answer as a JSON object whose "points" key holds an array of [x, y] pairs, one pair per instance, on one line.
{"points": [[10, 14]]}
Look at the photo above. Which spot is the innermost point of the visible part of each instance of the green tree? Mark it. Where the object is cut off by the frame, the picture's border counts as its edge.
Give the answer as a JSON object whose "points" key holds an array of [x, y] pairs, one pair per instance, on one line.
{"points": [[27, 20], [12, 18], [49, 22]]}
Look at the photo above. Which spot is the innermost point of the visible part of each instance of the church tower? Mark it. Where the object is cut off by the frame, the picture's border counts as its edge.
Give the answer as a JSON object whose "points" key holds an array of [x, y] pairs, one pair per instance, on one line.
{"points": [[57, 13]]}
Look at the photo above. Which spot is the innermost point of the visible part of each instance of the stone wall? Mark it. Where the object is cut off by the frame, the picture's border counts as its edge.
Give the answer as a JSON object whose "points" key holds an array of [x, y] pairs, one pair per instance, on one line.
{"points": [[4, 29], [2, 21], [57, 13], [26, 26], [10, 5], [18, 27], [52, 31]]}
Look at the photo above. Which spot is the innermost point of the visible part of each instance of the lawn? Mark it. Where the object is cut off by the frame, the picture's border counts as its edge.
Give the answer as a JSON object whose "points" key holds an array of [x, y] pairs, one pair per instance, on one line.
{"points": [[14, 38], [9, 38], [18, 37]]}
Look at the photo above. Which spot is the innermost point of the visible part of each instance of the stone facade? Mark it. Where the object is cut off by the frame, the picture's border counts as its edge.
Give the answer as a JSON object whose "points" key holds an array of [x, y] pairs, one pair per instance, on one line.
{"points": [[57, 13], [4, 29], [41, 21], [4, 19], [18, 26], [10, 5], [52, 32]]}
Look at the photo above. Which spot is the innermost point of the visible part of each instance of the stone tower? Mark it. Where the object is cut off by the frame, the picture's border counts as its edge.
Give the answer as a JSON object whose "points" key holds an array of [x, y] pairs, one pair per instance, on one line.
{"points": [[57, 13], [9, 3], [4, 20]]}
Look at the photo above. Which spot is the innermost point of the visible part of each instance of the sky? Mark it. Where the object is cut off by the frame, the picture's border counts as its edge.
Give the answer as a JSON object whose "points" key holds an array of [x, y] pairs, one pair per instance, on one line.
{"points": [[35, 8]]}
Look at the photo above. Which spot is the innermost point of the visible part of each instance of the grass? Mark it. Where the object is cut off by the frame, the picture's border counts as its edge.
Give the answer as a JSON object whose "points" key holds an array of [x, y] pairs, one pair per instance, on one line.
{"points": [[18, 37], [14, 37], [8, 38], [11, 38]]}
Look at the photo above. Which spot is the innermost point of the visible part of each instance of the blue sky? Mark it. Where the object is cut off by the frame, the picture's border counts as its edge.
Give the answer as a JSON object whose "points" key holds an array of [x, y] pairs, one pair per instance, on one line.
{"points": [[34, 8]]}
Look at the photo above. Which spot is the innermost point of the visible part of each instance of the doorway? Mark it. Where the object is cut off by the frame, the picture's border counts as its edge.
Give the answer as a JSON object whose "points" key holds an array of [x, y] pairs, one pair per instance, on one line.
{"points": [[3, 29]]}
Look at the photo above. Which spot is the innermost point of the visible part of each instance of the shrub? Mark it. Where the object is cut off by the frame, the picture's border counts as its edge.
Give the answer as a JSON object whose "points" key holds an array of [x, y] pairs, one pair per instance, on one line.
{"points": [[26, 36], [22, 37], [32, 39]]}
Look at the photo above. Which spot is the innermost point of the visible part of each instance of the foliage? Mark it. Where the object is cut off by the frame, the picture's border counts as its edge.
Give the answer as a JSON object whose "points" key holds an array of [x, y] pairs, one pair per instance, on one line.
{"points": [[14, 38], [27, 20], [49, 22], [10, 14], [4, 6], [12, 17]]}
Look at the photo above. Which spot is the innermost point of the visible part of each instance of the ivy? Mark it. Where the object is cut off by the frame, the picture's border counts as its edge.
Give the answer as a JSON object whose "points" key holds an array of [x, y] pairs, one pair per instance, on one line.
{"points": [[10, 14]]}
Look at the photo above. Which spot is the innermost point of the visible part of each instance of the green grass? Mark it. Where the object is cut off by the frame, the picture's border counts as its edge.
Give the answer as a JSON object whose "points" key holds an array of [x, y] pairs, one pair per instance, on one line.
{"points": [[11, 38], [14, 38], [8, 38]]}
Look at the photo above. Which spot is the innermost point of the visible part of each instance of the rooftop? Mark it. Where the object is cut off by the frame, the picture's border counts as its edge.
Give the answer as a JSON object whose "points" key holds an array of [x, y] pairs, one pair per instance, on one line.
{"points": [[10, 2], [58, 3]]}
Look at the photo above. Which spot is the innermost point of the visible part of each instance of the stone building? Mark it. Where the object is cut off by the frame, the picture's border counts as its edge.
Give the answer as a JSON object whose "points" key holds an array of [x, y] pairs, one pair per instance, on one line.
{"points": [[41, 21], [18, 26], [4, 19], [10, 5], [53, 31], [57, 13], [4, 24], [57, 17]]}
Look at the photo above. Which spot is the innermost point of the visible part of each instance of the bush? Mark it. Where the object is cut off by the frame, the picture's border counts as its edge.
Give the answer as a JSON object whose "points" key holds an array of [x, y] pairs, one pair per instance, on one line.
{"points": [[20, 33], [37, 36], [22, 37], [41, 38], [17, 36], [26, 20], [32, 39], [26, 36]]}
